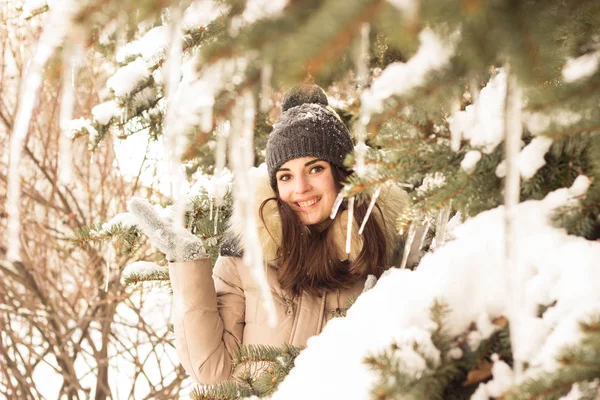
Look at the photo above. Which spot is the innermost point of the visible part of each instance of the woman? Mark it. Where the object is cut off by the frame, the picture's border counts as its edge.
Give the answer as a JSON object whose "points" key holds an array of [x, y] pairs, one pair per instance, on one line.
{"points": [[311, 276]]}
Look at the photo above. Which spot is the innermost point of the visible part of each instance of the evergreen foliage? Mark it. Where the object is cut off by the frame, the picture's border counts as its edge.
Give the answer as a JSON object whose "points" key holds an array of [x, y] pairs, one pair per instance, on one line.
{"points": [[451, 378], [410, 137], [263, 368]]}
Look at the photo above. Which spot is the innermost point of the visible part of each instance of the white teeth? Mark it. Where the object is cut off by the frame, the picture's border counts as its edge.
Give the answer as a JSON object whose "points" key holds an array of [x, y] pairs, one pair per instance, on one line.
{"points": [[307, 203]]}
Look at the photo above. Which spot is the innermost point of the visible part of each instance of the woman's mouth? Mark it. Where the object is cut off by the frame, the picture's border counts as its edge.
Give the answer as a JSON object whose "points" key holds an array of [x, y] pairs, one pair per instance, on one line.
{"points": [[307, 203]]}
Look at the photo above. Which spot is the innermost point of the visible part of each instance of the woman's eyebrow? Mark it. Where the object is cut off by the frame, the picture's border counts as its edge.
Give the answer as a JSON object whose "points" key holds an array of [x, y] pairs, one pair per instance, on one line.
{"points": [[283, 169], [313, 161]]}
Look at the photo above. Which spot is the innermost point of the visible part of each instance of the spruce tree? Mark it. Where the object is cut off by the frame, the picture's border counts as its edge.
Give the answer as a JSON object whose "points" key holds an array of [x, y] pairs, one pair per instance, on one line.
{"points": [[426, 87]]}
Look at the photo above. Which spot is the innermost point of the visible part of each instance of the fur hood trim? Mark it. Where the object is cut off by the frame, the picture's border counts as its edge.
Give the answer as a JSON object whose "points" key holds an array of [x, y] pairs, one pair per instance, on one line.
{"points": [[392, 201]]}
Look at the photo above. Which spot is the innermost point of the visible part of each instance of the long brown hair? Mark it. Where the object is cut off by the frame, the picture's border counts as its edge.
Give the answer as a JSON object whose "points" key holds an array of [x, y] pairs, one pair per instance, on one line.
{"points": [[307, 257]]}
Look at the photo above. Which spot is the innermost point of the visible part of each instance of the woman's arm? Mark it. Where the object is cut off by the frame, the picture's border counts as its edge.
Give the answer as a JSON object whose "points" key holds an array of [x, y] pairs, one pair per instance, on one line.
{"points": [[209, 310]]}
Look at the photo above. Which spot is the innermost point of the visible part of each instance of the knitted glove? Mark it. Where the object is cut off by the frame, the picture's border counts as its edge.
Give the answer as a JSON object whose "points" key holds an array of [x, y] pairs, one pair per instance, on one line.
{"points": [[177, 246]]}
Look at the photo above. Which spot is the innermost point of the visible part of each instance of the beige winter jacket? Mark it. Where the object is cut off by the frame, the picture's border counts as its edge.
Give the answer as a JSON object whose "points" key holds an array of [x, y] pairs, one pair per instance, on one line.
{"points": [[218, 310]]}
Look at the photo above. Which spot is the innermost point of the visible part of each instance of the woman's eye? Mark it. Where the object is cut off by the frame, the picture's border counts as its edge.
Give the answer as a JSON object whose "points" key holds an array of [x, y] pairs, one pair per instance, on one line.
{"points": [[316, 169], [285, 177]]}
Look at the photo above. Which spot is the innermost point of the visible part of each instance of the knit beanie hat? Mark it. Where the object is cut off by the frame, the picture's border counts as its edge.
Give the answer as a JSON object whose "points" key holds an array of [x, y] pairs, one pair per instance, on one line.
{"points": [[307, 127]]}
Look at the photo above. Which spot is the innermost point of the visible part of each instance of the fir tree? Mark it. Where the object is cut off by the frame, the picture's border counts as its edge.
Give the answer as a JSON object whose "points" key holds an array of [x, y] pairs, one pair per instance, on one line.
{"points": [[425, 86]]}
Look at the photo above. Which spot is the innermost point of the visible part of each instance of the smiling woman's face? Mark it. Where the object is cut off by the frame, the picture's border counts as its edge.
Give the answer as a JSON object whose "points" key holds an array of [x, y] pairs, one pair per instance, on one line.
{"points": [[306, 184]]}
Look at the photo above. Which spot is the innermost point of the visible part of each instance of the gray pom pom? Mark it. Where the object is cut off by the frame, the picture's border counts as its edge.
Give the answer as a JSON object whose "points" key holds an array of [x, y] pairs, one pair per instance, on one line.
{"points": [[301, 94]]}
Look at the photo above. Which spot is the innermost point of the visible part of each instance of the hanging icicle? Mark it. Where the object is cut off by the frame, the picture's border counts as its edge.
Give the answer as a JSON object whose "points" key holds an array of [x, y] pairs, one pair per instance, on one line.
{"points": [[410, 238], [241, 157], [217, 220], [110, 255], [440, 225], [369, 210], [513, 130], [174, 139], [71, 57], [266, 75], [424, 233], [362, 80], [211, 203], [58, 23], [349, 227], [336, 204]]}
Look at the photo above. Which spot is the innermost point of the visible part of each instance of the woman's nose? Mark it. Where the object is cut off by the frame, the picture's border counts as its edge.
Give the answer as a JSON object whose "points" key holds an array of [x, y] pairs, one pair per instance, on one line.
{"points": [[302, 185]]}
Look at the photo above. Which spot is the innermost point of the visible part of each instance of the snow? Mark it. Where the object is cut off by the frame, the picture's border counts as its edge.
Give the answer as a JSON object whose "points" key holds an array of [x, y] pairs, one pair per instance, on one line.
{"points": [[129, 77], [409, 7], [537, 123], [141, 268], [201, 13], [503, 379], [398, 78], [259, 9], [531, 157], [581, 67], [466, 274], [580, 186], [148, 46], [30, 7], [482, 123], [127, 220], [469, 162], [104, 112]]}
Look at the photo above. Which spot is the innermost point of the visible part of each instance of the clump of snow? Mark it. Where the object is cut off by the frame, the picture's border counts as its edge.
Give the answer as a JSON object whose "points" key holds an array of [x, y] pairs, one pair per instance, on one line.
{"points": [[580, 187], [201, 13], [80, 125], [579, 391], [468, 275], [259, 9], [148, 46], [141, 268], [128, 77], [469, 162], [531, 157], [581, 67], [398, 78], [538, 122], [431, 182], [127, 220], [483, 121], [503, 379], [106, 111]]}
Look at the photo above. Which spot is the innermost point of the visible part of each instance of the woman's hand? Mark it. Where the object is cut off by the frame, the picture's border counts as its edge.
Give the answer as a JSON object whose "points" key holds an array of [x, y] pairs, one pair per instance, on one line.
{"points": [[177, 246]]}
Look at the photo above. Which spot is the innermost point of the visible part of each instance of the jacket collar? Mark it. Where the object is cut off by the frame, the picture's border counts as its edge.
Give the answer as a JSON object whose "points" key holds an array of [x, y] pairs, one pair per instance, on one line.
{"points": [[392, 201]]}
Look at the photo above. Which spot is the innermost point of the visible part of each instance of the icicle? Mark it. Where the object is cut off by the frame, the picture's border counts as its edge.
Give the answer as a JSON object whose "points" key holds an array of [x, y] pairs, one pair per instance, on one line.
{"points": [[424, 234], [336, 205], [211, 205], [56, 26], [349, 227], [174, 144], [513, 130], [110, 254], [265, 87], [220, 184], [362, 78], [241, 157], [410, 238], [369, 210], [362, 67], [71, 59], [440, 225], [217, 220]]}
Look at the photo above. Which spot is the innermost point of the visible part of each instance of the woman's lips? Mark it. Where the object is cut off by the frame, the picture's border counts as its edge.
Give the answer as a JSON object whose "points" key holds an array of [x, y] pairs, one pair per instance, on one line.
{"points": [[307, 203]]}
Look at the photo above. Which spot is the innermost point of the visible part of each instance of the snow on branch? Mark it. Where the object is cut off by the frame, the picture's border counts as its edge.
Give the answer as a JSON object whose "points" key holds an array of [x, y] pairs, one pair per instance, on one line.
{"points": [[464, 274], [399, 78]]}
